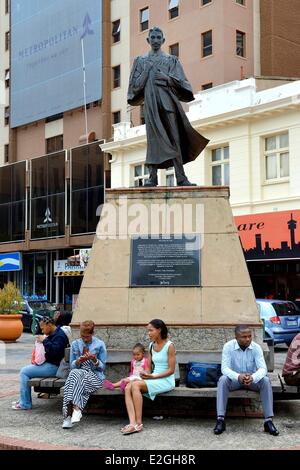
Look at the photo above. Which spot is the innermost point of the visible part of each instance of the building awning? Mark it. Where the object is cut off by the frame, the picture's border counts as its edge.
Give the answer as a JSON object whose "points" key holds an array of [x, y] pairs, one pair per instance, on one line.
{"points": [[270, 236]]}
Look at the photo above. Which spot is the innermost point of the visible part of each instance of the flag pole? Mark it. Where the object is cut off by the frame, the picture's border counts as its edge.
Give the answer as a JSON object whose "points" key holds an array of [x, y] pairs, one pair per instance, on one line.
{"points": [[84, 91]]}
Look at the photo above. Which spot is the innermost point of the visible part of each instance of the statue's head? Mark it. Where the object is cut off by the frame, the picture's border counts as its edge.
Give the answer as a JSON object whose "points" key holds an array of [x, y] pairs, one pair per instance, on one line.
{"points": [[155, 38]]}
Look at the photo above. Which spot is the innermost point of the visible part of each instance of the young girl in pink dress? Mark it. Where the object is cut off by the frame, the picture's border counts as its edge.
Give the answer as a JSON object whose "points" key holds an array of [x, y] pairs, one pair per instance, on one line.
{"points": [[138, 365]]}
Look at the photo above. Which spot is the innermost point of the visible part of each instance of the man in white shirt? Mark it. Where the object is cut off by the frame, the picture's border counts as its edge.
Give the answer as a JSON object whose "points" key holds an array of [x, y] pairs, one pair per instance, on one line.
{"points": [[243, 366]]}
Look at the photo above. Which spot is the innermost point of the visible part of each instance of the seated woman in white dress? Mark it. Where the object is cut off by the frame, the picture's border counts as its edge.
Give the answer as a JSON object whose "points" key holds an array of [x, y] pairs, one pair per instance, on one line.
{"points": [[161, 358]]}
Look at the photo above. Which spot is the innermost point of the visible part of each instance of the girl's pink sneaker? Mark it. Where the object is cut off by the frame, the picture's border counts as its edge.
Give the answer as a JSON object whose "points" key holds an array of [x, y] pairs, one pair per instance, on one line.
{"points": [[108, 385]]}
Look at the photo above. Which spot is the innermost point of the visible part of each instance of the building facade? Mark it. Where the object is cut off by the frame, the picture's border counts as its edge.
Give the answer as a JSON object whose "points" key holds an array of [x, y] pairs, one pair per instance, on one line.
{"points": [[219, 41], [4, 80], [53, 173], [280, 38]]}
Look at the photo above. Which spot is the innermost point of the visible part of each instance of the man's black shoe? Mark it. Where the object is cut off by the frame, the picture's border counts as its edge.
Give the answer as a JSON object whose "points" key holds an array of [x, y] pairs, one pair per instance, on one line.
{"points": [[220, 426], [270, 428], [185, 183]]}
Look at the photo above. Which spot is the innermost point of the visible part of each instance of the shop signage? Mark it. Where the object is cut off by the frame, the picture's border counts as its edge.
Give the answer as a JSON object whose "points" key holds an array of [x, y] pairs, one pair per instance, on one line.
{"points": [[84, 256], [64, 268], [269, 236], [10, 261]]}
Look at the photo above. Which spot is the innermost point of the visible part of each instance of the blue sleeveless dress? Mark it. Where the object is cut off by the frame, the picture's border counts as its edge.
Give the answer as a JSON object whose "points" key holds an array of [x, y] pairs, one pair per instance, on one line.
{"points": [[165, 384]]}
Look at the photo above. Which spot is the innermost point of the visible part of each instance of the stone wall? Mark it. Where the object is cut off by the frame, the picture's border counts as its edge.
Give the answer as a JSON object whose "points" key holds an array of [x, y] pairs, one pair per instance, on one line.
{"points": [[184, 338]]}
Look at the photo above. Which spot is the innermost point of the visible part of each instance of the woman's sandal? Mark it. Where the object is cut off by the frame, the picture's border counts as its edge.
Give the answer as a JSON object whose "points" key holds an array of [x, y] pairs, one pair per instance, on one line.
{"points": [[125, 427], [131, 428]]}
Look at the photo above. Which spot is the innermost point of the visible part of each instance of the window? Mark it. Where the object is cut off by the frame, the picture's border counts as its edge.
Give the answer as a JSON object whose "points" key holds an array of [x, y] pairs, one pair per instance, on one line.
{"points": [[170, 176], [7, 6], [207, 86], [241, 2], [116, 31], [173, 9], [116, 76], [116, 117], [144, 19], [55, 144], [12, 202], [140, 174], [277, 156], [220, 166], [205, 2], [7, 40], [206, 43], [6, 153], [87, 187], [6, 78], [174, 49], [6, 115], [240, 44], [47, 204]]}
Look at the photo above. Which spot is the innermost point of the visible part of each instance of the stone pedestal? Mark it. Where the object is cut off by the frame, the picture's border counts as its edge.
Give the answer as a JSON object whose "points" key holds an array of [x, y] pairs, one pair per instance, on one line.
{"points": [[199, 317]]}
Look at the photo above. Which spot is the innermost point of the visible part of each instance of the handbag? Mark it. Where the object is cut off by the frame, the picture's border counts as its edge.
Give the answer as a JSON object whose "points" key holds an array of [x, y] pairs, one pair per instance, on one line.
{"points": [[202, 374], [63, 369], [38, 354]]}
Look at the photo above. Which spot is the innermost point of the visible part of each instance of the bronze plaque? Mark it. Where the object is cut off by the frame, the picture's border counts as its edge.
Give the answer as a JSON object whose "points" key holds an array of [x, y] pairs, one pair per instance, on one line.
{"points": [[165, 261]]}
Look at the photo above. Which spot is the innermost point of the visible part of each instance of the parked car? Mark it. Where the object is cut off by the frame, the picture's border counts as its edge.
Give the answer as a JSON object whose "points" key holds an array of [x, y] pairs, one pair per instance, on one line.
{"points": [[281, 319], [38, 308], [297, 302]]}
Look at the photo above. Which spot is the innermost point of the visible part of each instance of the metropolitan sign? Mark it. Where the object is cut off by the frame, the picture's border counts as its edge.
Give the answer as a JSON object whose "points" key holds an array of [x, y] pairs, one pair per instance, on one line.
{"points": [[49, 39]]}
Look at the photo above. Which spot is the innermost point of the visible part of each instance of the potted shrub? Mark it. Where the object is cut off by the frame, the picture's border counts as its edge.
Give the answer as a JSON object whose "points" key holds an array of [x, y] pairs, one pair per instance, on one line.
{"points": [[11, 326]]}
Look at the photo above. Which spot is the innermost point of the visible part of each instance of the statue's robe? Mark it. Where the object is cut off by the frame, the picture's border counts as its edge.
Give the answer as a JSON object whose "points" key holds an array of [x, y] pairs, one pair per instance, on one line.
{"points": [[169, 133]]}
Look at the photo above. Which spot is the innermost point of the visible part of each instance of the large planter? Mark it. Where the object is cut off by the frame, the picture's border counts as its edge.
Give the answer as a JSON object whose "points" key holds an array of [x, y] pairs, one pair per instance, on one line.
{"points": [[11, 327]]}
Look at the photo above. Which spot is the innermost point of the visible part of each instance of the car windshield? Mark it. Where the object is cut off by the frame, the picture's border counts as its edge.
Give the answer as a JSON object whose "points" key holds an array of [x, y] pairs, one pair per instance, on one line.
{"points": [[285, 308]]}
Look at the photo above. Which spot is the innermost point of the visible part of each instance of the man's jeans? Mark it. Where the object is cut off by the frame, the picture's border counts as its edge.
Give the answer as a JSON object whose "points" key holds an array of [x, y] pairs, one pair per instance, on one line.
{"points": [[30, 372], [225, 385]]}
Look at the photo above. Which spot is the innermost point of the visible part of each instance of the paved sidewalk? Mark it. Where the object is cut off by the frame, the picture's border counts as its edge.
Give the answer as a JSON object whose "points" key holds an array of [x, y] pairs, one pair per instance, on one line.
{"points": [[41, 426]]}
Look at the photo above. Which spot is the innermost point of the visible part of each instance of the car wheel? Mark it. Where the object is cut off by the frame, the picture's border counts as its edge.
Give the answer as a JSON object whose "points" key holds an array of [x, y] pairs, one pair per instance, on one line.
{"points": [[35, 328]]}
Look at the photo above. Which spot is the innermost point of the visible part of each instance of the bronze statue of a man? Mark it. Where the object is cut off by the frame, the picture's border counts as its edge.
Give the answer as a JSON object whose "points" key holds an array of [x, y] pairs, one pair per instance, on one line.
{"points": [[157, 79]]}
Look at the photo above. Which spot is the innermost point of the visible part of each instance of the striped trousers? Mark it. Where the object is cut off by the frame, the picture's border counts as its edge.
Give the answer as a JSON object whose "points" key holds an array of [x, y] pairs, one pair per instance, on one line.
{"points": [[78, 388]]}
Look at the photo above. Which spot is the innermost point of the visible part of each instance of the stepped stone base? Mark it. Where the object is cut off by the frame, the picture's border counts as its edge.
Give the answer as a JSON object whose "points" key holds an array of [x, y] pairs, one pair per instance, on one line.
{"points": [[200, 317]]}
